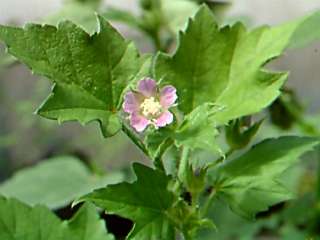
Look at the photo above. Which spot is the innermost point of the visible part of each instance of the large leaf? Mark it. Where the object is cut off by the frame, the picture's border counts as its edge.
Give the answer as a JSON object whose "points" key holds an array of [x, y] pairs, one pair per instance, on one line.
{"points": [[250, 183], [19, 221], [146, 202], [90, 72], [225, 65], [55, 182]]}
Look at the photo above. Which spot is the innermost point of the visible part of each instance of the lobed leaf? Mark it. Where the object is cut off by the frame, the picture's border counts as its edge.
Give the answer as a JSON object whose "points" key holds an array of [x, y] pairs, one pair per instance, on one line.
{"points": [[225, 65], [197, 131], [145, 201], [90, 72], [250, 183], [19, 221]]}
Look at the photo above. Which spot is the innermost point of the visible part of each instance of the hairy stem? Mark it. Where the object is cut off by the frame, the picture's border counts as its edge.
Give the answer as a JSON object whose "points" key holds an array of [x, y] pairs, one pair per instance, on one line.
{"points": [[183, 165], [182, 168], [135, 139]]}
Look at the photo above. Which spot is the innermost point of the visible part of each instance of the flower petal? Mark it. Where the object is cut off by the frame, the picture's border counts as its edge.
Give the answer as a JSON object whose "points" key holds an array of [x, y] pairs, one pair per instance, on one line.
{"points": [[132, 102], [164, 119], [138, 122], [168, 96], [147, 87]]}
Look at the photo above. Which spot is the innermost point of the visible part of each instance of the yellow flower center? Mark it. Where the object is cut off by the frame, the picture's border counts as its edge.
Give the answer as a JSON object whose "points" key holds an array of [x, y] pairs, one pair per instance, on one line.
{"points": [[150, 107]]}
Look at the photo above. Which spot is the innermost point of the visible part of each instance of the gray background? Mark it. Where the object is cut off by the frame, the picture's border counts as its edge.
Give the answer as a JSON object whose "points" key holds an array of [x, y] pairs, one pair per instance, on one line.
{"points": [[261, 11]]}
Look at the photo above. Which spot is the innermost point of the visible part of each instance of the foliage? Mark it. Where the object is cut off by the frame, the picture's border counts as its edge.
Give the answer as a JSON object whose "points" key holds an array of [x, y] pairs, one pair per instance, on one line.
{"points": [[83, 91], [250, 183], [31, 185], [221, 79], [38, 223], [139, 202]]}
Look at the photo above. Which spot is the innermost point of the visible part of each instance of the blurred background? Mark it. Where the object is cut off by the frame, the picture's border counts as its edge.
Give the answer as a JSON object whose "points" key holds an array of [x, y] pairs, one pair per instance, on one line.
{"points": [[26, 139]]}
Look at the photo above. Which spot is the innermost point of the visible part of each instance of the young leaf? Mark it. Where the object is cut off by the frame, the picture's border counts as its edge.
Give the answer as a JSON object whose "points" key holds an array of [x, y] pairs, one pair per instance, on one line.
{"points": [[47, 184], [197, 131], [90, 72], [19, 221], [249, 183], [225, 66], [146, 202]]}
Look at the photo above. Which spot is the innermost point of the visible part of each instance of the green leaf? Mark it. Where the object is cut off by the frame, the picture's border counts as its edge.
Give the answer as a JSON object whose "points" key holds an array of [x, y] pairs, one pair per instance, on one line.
{"points": [[19, 221], [118, 15], [145, 201], [90, 72], [239, 133], [86, 225], [225, 65], [177, 12], [78, 13], [197, 131], [306, 31], [250, 183], [55, 182]]}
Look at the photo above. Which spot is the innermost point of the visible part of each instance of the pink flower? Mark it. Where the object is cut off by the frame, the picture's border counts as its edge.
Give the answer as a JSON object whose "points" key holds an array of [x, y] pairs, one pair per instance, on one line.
{"points": [[149, 105]]}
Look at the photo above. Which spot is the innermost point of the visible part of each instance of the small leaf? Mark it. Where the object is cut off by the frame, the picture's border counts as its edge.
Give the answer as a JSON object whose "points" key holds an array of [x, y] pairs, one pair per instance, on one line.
{"points": [[145, 201], [239, 135], [250, 183], [55, 182], [197, 131], [90, 72], [19, 221]]}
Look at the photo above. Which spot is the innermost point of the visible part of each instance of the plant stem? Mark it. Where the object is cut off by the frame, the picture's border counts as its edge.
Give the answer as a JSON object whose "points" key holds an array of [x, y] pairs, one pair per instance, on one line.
{"points": [[182, 168], [318, 180], [208, 203], [187, 236], [183, 165], [158, 159], [221, 159], [135, 139]]}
